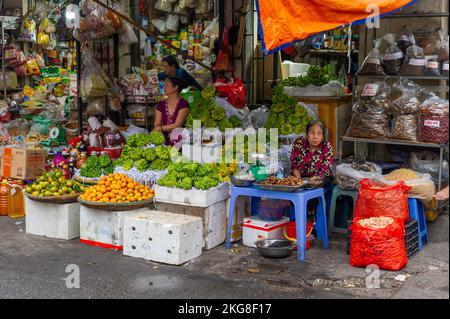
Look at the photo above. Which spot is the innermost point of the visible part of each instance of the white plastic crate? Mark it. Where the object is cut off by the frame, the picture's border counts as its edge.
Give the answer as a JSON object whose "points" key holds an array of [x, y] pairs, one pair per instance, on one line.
{"points": [[192, 197], [255, 228], [60, 221], [213, 219], [163, 237], [104, 228]]}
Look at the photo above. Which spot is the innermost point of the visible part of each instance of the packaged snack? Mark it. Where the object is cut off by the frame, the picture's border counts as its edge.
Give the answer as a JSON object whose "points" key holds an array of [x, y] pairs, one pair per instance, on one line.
{"points": [[393, 56], [32, 67], [43, 39], [28, 33], [372, 64]]}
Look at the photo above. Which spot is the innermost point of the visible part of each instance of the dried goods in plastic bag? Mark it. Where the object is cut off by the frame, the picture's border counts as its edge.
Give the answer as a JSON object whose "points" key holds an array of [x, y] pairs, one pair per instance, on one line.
{"points": [[348, 175], [172, 22], [422, 186], [427, 162], [94, 80], [372, 65], [434, 121], [95, 106], [375, 200], [408, 102], [163, 5], [371, 116], [393, 56], [415, 61], [373, 244], [28, 33], [201, 6], [405, 128], [403, 41], [433, 67]]}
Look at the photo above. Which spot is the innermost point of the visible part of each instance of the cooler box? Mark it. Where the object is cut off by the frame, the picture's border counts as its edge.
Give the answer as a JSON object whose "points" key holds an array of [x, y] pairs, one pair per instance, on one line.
{"points": [[255, 228]]}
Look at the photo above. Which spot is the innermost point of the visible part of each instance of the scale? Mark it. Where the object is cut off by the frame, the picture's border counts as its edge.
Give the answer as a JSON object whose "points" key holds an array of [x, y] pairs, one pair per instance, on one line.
{"points": [[57, 136], [259, 170]]}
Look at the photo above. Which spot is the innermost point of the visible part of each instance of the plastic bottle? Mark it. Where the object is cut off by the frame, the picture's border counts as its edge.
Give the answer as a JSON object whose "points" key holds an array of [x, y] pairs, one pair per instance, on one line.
{"points": [[17, 209], [5, 198]]}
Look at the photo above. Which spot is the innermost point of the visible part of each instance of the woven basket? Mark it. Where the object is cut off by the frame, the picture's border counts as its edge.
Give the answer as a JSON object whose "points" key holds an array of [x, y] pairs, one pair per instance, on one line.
{"points": [[116, 206], [65, 199], [86, 181]]}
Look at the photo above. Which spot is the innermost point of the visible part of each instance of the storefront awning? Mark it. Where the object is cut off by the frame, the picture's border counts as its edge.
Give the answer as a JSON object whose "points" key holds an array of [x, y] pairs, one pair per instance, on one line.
{"points": [[283, 22]]}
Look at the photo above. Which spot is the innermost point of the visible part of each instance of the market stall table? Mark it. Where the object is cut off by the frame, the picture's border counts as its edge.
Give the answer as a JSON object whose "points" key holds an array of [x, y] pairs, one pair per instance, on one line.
{"points": [[299, 199]]}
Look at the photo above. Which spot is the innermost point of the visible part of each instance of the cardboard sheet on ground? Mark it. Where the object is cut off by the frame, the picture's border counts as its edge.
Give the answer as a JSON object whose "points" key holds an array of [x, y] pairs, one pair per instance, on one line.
{"points": [[287, 21]]}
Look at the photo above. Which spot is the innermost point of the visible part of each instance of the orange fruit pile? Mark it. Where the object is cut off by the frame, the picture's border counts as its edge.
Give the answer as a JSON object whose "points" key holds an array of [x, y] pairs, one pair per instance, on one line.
{"points": [[117, 188]]}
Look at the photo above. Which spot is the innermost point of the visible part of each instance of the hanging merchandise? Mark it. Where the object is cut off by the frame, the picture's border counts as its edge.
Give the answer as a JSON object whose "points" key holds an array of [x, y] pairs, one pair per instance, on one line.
{"points": [[172, 22], [163, 5], [378, 241], [376, 201], [32, 67], [404, 41], [224, 61], [28, 33], [393, 56], [201, 7], [160, 25], [443, 46], [234, 91], [94, 80], [434, 121], [372, 63], [415, 61]]}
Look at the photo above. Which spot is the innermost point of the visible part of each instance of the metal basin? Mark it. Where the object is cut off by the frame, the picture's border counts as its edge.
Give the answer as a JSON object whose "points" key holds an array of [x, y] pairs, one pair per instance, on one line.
{"points": [[275, 248], [241, 182]]}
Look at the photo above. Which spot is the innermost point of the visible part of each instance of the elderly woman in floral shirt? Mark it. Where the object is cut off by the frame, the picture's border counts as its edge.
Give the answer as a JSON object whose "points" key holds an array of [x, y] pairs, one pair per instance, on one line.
{"points": [[312, 156]]}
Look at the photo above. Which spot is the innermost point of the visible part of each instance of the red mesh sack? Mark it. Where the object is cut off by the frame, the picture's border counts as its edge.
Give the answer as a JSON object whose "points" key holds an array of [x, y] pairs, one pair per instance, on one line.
{"points": [[384, 247], [374, 200]]}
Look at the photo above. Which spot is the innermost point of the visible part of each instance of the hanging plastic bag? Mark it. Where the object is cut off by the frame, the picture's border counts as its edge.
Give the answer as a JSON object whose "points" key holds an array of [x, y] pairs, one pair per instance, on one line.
{"points": [[403, 41], [408, 102], [163, 5], [160, 25], [415, 61], [443, 46], [422, 188], [434, 121], [348, 175], [94, 80], [379, 241], [172, 22], [201, 6], [43, 39], [32, 67], [372, 64], [393, 56], [376, 201], [28, 33]]}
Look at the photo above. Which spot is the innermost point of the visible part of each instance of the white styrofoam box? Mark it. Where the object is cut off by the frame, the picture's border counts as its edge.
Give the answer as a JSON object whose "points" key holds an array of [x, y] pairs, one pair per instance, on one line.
{"points": [[192, 197], [60, 221], [256, 228], [203, 153], [242, 209], [213, 218], [104, 228], [163, 237]]}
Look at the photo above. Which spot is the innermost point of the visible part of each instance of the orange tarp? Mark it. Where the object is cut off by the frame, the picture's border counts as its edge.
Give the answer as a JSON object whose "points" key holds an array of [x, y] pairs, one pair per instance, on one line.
{"points": [[283, 22]]}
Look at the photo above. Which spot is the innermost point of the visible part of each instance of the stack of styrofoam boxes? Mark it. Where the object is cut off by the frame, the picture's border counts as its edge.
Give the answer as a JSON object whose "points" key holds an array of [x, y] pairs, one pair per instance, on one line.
{"points": [[210, 205], [242, 209], [61, 221], [163, 237], [104, 228]]}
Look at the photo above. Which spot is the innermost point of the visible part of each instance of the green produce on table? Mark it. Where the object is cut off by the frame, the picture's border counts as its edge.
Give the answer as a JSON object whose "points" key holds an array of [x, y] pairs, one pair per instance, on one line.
{"points": [[104, 161], [159, 165], [136, 154], [53, 184], [149, 154], [181, 175], [315, 75], [128, 164], [92, 161], [142, 165], [108, 170], [188, 175], [208, 92], [235, 121], [224, 124], [162, 152], [218, 113], [206, 182], [293, 119], [185, 183], [90, 172], [168, 180], [156, 138]]}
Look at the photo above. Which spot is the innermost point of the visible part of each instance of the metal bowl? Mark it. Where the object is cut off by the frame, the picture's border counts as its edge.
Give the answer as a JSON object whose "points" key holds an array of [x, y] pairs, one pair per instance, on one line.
{"points": [[241, 182], [267, 249]]}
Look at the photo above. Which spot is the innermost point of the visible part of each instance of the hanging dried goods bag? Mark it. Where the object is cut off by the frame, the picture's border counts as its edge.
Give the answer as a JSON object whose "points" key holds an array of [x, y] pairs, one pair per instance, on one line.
{"points": [[94, 80], [372, 65], [415, 61], [433, 123], [376, 201], [378, 241], [443, 46], [393, 56], [371, 116], [403, 42]]}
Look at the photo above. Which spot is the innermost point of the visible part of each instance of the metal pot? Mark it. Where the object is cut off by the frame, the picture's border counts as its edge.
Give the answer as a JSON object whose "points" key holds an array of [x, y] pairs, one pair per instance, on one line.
{"points": [[275, 248]]}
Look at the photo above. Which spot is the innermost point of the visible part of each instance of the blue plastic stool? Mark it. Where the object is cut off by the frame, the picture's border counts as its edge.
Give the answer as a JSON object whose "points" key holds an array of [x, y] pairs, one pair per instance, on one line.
{"points": [[300, 201], [337, 191], [417, 212]]}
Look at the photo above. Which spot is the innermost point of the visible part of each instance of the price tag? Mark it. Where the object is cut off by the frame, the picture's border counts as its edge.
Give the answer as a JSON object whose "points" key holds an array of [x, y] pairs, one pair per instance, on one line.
{"points": [[419, 62], [432, 65], [393, 56], [432, 123], [373, 61], [445, 67], [370, 89]]}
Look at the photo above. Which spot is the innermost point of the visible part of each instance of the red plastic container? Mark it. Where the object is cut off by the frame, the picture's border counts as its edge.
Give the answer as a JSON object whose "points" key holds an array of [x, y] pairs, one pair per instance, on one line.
{"points": [[291, 233]]}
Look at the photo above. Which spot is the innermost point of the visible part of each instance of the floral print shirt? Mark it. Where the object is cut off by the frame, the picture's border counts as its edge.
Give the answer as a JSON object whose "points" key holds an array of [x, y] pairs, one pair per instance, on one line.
{"points": [[312, 163]]}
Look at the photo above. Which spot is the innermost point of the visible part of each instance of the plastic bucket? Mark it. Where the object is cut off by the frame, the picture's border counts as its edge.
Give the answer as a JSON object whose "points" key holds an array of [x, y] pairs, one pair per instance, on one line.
{"points": [[290, 233]]}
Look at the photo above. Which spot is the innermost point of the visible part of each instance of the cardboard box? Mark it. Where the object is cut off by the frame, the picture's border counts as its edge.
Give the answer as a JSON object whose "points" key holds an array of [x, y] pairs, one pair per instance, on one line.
{"points": [[22, 163], [256, 228]]}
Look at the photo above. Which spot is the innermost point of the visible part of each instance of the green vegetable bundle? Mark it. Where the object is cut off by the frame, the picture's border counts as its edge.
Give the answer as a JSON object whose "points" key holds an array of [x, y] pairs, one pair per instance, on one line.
{"points": [[315, 75], [95, 167], [144, 159], [143, 139], [189, 175]]}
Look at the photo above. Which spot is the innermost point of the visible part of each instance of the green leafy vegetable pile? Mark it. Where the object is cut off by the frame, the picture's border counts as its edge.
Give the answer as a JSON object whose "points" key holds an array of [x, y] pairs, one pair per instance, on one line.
{"points": [[155, 159], [95, 167], [191, 175], [315, 75], [210, 113], [143, 139]]}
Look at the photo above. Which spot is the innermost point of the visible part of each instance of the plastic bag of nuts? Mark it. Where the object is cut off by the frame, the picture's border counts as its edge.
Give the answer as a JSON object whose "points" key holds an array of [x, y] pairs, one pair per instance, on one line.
{"points": [[443, 46], [405, 128], [372, 64], [393, 56], [434, 121], [415, 61], [408, 102], [433, 67]]}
